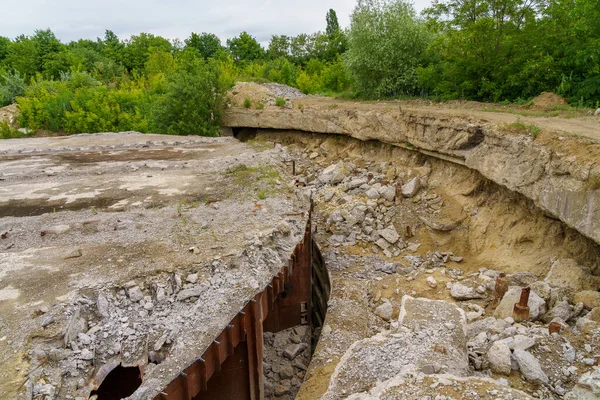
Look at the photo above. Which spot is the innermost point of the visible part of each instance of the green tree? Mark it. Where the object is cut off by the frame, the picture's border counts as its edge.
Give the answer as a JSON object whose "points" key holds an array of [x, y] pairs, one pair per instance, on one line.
{"points": [[279, 46], [487, 50], [138, 50], [22, 56], [333, 26], [112, 47], [385, 46], [193, 100], [5, 44], [206, 43], [245, 47]]}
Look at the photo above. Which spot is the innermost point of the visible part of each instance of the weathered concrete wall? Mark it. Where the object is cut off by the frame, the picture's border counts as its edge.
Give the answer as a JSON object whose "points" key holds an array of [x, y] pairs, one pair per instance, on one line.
{"points": [[561, 174]]}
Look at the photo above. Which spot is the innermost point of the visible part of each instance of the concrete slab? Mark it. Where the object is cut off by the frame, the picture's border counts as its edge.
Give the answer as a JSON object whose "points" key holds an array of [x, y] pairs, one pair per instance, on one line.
{"points": [[101, 232]]}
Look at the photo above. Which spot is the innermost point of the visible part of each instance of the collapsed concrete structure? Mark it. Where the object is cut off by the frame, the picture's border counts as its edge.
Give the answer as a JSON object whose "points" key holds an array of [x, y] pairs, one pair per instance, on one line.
{"points": [[158, 267]]}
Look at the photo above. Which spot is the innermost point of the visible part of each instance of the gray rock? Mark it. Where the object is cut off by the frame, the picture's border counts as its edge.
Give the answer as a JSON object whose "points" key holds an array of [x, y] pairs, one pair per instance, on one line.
{"points": [[356, 183], [384, 244], [460, 291], [102, 305], [373, 193], [562, 310], [385, 311], [135, 294], [292, 351], [333, 174], [75, 326], [537, 305], [191, 292], [499, 358], [192, 278], [388, 193], [390, 235], [530, 367], [388, 268], [597, 112], [411, 188]]}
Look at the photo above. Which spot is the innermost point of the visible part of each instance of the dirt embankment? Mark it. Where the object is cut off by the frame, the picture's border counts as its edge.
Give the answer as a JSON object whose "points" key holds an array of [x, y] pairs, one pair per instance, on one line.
{"points": [[552, 161]]}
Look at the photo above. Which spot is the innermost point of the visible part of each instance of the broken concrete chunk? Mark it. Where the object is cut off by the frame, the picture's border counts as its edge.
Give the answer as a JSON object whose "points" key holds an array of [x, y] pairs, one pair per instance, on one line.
{"points": [[537, 305], [75, 326], [333, 174], [292, 351], [411, 188], [188, 293], [373, 194], [589, 298], [102, 305], [568, 274], [388, 193], [499, 358], [390, 235], [384, 244], [460, 291], [385, 311], [135, 294], [530, 367]]}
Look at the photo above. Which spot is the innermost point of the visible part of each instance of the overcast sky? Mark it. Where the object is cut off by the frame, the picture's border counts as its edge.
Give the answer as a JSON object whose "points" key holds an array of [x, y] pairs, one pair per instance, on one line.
{"points": [[75, 19]]}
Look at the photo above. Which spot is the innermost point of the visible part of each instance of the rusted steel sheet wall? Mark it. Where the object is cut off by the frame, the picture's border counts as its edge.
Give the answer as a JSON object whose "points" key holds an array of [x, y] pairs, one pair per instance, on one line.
{"points": [[231, 367]]}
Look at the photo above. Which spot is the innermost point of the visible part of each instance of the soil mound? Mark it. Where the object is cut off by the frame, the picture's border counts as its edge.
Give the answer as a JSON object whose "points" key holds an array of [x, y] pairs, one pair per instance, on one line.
{"points": [[9, 114], [548, 100], [264, 94]]}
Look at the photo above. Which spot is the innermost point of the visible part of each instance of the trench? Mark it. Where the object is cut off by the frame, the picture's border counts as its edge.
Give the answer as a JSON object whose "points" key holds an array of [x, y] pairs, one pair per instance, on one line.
{"points": [[265, 349]]}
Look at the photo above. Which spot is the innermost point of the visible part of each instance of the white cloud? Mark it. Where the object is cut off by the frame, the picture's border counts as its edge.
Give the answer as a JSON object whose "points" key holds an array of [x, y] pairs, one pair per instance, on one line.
{"points": [[75, 19]]}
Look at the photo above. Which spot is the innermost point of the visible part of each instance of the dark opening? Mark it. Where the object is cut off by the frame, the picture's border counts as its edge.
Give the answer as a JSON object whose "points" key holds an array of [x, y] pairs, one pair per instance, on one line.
{"points": [[244, 134], [121, 382]]}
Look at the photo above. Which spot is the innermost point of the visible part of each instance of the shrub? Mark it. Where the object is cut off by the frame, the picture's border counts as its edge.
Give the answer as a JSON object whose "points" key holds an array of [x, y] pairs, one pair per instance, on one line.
{"points": [[12, 85], [386, 44], [193, 100]]}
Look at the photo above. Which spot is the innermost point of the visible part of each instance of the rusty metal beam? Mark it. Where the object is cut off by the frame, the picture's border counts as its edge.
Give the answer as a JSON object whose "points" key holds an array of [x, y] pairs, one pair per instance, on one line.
{"points": [[277, 307]]}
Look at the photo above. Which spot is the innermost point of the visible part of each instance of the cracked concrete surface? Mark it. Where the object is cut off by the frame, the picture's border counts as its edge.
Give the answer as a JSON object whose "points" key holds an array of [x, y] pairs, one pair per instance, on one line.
{"points": [[118, 245]]}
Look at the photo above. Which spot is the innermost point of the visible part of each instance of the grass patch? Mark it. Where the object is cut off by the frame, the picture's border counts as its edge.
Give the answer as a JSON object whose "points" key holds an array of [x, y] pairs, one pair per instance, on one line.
{"points": [[247, 102], [280, 102], [260, 145], [261, 180], [7, 132], [521, 127], [260, 106]]}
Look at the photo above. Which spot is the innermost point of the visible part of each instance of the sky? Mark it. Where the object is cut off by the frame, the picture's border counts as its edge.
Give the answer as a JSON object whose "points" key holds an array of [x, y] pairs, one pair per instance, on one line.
{"points": [[172, 19]]}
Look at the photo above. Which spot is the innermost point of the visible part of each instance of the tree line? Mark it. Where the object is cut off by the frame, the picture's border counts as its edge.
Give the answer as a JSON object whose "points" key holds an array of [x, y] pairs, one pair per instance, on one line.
{"points": [[487, 50]]}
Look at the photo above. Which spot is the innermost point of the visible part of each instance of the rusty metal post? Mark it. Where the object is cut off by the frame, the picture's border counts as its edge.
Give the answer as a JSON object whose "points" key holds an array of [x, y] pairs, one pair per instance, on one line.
{"points": [[500, 289], [554, 327], [521, 309]]}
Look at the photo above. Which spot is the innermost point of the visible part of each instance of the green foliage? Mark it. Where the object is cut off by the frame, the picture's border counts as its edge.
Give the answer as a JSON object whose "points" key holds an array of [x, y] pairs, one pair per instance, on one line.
{"points": [[280, 102], [12, 85], [193, 99], [139, 48], [333, 26], [245, 47], [207, 44], [385, 46], [247, 102], [7, 132], [281, 71]]}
